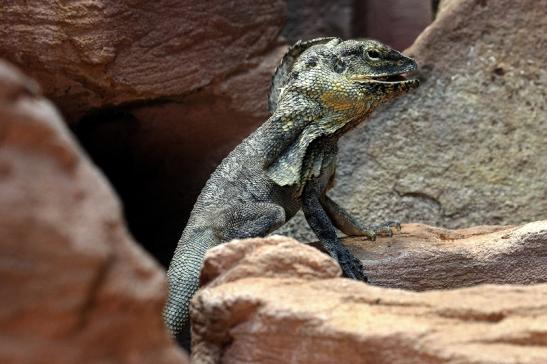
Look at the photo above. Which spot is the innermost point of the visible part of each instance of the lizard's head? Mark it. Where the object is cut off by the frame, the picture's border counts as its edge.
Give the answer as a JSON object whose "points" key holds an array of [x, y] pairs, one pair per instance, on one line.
{"points": [[323, 88], [344, 75], [371, 63]]}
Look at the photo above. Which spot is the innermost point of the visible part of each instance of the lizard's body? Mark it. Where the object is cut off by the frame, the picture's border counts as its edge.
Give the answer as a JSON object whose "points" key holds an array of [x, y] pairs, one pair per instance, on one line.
{"points": [[319, 91]]}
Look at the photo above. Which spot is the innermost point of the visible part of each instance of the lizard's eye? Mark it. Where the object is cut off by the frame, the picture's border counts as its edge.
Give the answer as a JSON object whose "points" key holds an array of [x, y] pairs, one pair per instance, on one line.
{"points": [[312, 62], [339, 65], [373, 54]]}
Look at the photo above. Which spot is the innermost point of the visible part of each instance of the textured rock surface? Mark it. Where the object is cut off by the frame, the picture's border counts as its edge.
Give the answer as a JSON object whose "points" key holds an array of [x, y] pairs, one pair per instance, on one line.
{"points": [[177, 85], [395, 22], [277, 301], [75, 287], [112, 52], [468, 147], [423, 257], [308, 19], [159, 156]]}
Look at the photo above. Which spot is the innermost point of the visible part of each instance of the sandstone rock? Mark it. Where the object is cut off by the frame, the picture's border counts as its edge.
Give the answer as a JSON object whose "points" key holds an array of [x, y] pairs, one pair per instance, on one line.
{"points": [[424, 258], [273, 256], [468, 147], [158, 156], [300, 311], [172, 88], [75, 287], [115, 52]]}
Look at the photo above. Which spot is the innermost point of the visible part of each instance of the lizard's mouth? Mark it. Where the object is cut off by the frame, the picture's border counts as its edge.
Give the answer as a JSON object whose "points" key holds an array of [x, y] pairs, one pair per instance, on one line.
{"points": [[399, 78], [390, 78]]}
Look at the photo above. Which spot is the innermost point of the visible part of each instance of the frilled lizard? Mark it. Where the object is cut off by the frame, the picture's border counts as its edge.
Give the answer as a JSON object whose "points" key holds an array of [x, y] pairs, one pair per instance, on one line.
{"points": [[322, 89]]}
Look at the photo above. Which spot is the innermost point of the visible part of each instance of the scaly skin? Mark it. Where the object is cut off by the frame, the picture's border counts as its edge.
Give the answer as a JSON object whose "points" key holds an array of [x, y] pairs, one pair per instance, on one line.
{"points": [[321, 89]]}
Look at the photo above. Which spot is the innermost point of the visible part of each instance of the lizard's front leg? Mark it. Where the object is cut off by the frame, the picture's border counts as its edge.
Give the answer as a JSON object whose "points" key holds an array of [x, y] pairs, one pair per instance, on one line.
{"points": [[350, 226], [247, 220], [324, 229]]}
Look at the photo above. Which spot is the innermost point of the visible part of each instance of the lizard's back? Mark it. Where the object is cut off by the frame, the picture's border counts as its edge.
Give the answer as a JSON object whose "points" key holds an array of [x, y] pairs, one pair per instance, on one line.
{"points": [[236, 184]]}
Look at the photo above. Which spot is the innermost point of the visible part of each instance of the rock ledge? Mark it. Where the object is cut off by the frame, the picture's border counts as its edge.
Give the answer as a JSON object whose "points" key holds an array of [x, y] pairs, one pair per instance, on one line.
{"points": [[275, 300]]}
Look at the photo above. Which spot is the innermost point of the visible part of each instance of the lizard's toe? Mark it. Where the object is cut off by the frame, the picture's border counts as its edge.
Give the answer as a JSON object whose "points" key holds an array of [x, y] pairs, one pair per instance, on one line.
{"points": [[392, 224], [370, 233], [385, 229]]}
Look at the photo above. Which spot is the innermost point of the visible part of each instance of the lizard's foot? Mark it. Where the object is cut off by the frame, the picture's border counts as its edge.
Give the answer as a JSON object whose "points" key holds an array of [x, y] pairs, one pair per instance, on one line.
{"points": [[351, 266], [385, 229]]}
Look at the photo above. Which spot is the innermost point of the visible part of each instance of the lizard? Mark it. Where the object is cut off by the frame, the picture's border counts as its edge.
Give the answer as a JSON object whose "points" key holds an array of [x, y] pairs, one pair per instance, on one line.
{"points": [[322, 88]]}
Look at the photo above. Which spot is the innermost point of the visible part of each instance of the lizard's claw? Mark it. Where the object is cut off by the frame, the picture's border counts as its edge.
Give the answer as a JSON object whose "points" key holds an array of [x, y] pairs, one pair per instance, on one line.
{"points": [[370, 232], [385, 229]]}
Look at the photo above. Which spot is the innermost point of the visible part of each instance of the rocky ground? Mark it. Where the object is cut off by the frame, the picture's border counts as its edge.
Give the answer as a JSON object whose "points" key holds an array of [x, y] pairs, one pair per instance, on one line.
{"points": [[155, 102], [276, 300]]}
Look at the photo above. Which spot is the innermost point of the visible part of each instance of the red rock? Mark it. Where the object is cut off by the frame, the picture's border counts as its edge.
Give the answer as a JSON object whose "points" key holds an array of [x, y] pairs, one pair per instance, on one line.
{"points": [[275, 300], [116, 52], [189, 79], [75, 287], [422, 257]]}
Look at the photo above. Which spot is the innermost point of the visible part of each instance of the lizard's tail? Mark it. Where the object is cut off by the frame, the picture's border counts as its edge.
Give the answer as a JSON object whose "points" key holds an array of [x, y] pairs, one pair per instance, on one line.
{"points": [[183, 279]]}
